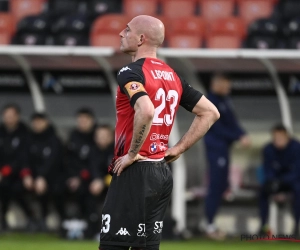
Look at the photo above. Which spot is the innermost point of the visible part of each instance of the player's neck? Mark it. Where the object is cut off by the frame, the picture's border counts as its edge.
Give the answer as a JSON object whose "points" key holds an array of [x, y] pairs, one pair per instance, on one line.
{"points": [[150, 53]]}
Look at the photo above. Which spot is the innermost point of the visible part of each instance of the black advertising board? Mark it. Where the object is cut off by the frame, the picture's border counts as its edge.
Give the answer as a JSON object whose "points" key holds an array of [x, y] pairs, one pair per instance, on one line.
{"points": [[257, 84], [68, 82], [13, 81]]}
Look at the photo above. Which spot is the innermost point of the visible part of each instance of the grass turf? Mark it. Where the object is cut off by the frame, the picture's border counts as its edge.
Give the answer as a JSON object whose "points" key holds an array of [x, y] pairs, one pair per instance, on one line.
{"points": [[13, 241]]}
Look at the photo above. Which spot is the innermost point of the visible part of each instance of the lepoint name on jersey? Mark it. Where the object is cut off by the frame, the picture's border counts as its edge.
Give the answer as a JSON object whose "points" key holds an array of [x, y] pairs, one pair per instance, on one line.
{"points": [[160, 74], [124, 69]]}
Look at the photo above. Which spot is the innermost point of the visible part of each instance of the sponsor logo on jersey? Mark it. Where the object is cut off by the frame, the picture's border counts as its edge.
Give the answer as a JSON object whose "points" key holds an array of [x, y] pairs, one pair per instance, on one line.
{"points": [[155, 137], [123, 231], [124, 69], [162, 146], [134, 86], [141, 230], [153, 147], [158, 226], [166, 75], [154, 62]]}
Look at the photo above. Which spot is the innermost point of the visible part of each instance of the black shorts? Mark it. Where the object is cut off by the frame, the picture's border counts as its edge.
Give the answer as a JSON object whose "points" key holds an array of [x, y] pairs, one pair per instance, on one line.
{"points": [[135, 205]]}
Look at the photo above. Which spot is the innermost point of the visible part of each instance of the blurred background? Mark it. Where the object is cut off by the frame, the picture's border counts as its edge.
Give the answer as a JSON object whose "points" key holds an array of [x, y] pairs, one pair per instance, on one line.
{"points": [[58, 65]]}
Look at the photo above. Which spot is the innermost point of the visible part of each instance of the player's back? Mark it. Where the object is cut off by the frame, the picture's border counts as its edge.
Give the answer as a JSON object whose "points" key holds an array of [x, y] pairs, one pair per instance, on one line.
{"points": [[164, 89]]}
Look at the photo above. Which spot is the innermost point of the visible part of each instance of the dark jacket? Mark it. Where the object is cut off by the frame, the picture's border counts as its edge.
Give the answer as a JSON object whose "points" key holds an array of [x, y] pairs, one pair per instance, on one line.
{"points": [[45, 154], [100, 160], [13, 147], [78, 152], [227, 129], [282, 165]]}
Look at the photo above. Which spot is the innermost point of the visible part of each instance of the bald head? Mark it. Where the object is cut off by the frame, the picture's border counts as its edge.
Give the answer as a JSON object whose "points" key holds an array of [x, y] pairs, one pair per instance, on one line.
{"points": [[151, 27]]}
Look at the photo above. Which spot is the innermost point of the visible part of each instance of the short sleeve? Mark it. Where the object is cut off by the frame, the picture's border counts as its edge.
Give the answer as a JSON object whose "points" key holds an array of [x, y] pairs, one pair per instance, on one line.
{"points": [[130, 73], [131, 81], [190, 97]]}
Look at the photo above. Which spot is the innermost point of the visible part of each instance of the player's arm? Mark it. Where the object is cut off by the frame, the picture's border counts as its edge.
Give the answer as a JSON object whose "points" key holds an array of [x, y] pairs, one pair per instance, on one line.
{"points": [[206, 115], [144, 112], [131, 83]]}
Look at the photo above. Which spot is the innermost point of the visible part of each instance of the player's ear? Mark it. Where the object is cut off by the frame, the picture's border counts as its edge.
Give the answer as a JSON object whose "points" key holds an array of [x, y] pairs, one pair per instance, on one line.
{"points": [[142, 40]]}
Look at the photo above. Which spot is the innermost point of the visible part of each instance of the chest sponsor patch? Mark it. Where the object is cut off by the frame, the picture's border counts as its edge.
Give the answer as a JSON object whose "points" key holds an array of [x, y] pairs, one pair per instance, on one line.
{"points": [[132, 88]]}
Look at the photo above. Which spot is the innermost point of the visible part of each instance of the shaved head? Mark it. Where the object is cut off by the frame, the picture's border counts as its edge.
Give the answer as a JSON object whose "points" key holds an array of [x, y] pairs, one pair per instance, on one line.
{"points": [[151, 27], [142, 36]]}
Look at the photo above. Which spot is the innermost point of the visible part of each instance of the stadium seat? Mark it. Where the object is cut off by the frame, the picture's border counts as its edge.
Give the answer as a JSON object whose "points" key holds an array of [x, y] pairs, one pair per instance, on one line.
{"points": [[289, 9], [219, 41], [250, 10], [60, 7], [213, 9], [5, 38], [227, 26], [225, 33], [263, 34], [106, 29], [139, 7], [4, 5], [23, 8], [185, 32], [6, 23], [293, 34], [100, 7], [261, 42], [294, 42], [33, 30], [71, 30], [178, 8], [184, 41]]}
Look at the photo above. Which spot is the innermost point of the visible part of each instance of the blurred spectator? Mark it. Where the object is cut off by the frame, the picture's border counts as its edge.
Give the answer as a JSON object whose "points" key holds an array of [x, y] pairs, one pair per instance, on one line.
{"points": [[218, 141], [45, 160], [101, 156], [79, 147], [14, 180], [281, 174]]}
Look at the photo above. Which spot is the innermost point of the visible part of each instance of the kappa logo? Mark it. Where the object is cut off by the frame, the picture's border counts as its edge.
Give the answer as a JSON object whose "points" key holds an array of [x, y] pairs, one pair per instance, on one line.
{"points": [[158, 227], [124, 69], [141, 230], [123, 231]]}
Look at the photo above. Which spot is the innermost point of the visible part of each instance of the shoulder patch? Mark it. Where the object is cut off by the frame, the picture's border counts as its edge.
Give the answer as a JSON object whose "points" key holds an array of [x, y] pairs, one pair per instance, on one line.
{"points": [[132, 88]]}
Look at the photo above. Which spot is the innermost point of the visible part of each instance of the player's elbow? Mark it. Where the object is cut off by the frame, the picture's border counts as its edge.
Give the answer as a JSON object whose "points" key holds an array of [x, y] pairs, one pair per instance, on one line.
{"points": [[148, 112], [144, 108], [215, 114]]}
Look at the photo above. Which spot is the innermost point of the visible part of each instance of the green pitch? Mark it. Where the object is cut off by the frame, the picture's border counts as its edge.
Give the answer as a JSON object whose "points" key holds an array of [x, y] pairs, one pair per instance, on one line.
{"points": [[47, 242]]}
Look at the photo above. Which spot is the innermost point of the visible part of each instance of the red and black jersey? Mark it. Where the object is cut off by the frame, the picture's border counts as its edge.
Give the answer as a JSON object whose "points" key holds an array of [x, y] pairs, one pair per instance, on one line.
{"points": [[153, 77]]}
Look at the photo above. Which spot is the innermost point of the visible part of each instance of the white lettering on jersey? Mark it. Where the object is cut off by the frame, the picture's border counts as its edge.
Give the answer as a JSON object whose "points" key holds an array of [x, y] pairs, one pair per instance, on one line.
{"points": [[158, 227], [124, 69], [141, 230], [155, 137], [123, 231], [158, 74]]}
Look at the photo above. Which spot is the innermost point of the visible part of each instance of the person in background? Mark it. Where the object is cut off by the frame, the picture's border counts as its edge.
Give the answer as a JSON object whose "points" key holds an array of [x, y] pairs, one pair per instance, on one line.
{"points": [[15, 180], [281, 170], [45, 155], [80, 143], [218, 142], [100, 158]]}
